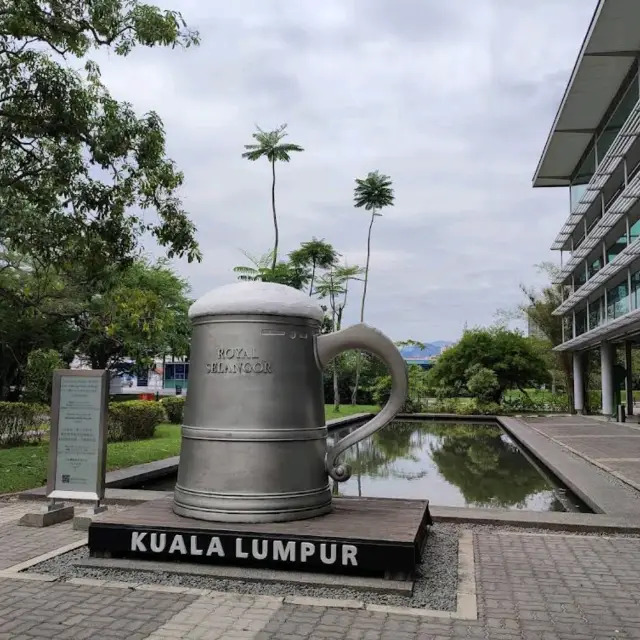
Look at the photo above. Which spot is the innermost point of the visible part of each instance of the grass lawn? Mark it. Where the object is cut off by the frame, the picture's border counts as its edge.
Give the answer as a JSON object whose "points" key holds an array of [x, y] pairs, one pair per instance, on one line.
{"points": [[26, 467]]}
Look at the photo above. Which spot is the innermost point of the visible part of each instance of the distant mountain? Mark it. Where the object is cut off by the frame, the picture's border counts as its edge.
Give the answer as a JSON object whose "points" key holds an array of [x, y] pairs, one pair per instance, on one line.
{"points": [[442, 343], [430, 349]]}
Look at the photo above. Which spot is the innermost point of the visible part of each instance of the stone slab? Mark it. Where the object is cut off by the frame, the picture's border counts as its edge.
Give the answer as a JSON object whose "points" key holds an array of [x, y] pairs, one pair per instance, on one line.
{"points": [[47, 518], [401, 587], [604, 447]]}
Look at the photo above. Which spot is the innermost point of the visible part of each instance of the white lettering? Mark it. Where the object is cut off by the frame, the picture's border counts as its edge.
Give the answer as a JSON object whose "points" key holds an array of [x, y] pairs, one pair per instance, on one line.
{"points": [[323, 553], [306, 549], [239, 552], [158, 542], [194, 547], [215, 546], [136, 541], [284, 552], [177, 544], [259, 554], [349, 555]]}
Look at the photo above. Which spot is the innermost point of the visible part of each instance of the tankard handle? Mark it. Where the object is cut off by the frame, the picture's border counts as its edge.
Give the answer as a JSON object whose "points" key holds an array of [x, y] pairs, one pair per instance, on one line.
{"points": [[366, 338]]}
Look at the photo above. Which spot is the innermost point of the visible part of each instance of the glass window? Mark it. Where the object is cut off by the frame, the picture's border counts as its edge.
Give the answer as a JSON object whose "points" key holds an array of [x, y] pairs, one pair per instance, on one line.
{"points": [[581, 321], [634, 231], [594, 267], [169, 373], [635, 290], [179, 369], [580, 277], [617, 301], [581, 178], [614, 249], [618, 118], [567, 321], [596, 313]]}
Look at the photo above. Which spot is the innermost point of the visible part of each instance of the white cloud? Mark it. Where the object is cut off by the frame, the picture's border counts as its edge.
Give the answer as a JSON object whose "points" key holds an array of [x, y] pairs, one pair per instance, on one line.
{"points": [[452, 99]]}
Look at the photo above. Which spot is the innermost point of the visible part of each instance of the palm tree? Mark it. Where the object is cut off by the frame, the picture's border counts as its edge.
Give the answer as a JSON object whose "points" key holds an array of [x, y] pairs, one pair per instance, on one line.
{"points": [[373, 193], [269, 145], [255, 272], [316, 254], [261, 270]]}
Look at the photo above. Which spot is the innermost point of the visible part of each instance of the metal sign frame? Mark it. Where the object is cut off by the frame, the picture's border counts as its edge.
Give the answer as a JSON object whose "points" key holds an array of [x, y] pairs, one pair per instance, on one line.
{"points": [[98, 493]]}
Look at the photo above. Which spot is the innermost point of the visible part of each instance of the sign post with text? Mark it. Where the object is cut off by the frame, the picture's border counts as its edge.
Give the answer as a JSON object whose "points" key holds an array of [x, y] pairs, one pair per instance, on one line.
{"points": [[78, 438]]}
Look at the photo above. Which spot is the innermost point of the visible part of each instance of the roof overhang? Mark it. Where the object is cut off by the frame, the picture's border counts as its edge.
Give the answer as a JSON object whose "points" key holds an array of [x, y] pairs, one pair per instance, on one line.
{"points": [[621, 328], [609, 49]]}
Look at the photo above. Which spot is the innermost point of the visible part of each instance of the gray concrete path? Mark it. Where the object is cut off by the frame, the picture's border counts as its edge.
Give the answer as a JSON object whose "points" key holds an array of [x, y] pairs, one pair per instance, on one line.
{"points": [[531, 585], [614, 447]]}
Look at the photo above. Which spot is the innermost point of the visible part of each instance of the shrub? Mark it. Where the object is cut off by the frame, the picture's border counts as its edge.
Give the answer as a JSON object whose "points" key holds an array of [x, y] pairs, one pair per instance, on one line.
{"points": [[174, 407], [483, 383], [21, 422], [445, 405], [489, 409], [536, 402], [135, 420]]}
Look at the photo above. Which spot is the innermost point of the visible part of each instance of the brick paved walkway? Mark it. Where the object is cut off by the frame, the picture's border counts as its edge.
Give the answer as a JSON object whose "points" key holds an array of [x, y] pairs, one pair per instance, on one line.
{"points": [[529, 585]]}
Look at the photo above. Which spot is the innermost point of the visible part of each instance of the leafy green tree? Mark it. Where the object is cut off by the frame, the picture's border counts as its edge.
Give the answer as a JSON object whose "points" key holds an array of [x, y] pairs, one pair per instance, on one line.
{"points": [[334, 285], [41, 364], [79, 171], [270, 145], [142, 315], [513, 358], [315, 254], [37, 308], [418, 389], [372, 193]]}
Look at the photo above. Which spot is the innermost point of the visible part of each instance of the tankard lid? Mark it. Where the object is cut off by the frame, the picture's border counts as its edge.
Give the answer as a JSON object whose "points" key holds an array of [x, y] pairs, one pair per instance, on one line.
{"points": [[256, 298]]}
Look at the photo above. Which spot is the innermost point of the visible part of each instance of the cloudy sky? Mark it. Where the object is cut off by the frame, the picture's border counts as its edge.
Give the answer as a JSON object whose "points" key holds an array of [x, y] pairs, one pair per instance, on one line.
{"points": [[453, 100]]}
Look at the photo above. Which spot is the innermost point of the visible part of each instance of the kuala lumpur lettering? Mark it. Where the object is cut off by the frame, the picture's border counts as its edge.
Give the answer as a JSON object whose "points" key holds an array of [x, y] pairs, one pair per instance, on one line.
{"points": [[258, 549]]}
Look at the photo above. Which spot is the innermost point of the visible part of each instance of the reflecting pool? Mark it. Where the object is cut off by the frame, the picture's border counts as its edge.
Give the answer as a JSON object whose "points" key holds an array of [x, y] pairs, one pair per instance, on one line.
{"points": [[449, 464], [452, 465]]}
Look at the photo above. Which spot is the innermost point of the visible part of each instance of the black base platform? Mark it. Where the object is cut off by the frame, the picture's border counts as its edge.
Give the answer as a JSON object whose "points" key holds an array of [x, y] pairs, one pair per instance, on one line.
{"points": [[366, 536]]}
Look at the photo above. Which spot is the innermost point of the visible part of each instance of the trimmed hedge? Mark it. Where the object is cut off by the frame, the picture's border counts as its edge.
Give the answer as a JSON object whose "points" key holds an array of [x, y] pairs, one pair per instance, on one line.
{"points": [[21, 423], [134, 420], [174, 408]]}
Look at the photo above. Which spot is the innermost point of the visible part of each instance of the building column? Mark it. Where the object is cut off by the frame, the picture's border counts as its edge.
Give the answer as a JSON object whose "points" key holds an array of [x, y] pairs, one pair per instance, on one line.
{"points": [[606, 371], [629, 376], [578, 382]]}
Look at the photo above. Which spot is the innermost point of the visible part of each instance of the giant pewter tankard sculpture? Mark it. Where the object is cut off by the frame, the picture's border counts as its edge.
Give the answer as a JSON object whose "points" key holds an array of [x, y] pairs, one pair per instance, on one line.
{"points": [[254, 437]]}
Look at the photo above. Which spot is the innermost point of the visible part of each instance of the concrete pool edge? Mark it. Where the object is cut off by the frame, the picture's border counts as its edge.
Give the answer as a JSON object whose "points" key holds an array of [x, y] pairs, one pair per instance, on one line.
{"points": [[578, 475], [613, 509]]}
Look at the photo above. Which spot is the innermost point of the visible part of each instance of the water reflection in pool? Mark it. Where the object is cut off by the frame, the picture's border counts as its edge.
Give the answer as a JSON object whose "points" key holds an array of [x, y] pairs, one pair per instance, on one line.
{"points": [[454, 465]]}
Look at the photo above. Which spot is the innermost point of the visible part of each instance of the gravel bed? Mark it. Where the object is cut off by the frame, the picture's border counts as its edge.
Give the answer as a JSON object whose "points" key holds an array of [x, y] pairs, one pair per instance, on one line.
{"points": [[435, 587]]}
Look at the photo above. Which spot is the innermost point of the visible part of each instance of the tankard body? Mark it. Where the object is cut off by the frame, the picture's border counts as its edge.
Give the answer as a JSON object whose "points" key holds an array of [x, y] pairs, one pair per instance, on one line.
{"points": [[254, 436]]}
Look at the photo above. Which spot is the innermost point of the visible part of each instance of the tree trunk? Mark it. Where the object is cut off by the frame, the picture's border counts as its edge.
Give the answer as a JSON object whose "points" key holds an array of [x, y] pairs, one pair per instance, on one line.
{"points": [[275, 217], [354, 395], [337, 322], [313, 277]]}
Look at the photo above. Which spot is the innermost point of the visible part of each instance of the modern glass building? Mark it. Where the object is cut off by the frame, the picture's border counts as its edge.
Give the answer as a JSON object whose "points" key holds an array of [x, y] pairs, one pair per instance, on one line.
{"points": [[593, 149]]}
